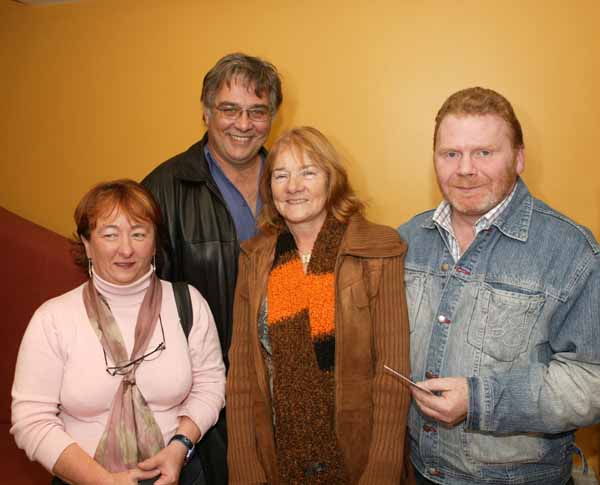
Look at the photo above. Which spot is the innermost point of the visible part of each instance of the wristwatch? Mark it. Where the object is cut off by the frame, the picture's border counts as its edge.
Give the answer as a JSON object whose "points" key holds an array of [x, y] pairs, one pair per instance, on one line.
{"points": [[185, 441]]}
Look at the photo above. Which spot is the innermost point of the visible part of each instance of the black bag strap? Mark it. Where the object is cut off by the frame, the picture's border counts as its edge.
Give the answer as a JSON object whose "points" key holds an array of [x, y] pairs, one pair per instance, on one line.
{"points": [[184, 306]]}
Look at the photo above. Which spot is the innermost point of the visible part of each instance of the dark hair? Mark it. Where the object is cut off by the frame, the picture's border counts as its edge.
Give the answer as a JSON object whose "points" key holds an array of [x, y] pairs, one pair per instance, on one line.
{"points": [[102, 200], [253, 72], [309, 142], [480, 101]]}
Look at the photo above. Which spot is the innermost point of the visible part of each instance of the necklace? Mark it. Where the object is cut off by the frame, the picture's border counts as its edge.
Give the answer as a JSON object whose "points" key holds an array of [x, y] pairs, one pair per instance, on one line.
{"points": [[305, 258]]}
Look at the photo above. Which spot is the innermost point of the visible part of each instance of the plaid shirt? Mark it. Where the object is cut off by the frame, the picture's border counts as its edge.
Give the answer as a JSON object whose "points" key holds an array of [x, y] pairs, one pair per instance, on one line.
{"points": [[442, 217]]}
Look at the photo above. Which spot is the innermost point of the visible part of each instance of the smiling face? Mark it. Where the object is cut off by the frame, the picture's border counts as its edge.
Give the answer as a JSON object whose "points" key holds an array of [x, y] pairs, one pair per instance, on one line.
{"points": [[236, 142], [121, 250], [476, 163], [299, 189]]}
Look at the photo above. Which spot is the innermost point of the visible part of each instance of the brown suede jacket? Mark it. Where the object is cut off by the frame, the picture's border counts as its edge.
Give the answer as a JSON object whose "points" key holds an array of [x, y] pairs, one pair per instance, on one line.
{"points": [[371, 330]]}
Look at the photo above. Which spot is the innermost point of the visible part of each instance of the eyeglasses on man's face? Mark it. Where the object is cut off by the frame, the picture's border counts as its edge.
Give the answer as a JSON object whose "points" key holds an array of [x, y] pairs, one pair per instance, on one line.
{"points": [[124, 368], [233, 112]]}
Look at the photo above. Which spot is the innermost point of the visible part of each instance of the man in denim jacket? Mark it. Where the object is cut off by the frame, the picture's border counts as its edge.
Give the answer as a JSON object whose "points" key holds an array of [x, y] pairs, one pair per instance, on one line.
{"points": [[504, 305]]}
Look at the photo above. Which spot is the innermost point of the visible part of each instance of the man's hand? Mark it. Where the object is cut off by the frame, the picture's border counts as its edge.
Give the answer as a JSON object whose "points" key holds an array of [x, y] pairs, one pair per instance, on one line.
{"points": [[168, 461], [450, 403]]}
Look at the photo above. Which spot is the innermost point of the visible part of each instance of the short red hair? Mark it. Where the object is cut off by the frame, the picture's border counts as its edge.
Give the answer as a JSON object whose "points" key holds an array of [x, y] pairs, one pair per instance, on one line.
{"points": [[480, 102], [124, 195]]}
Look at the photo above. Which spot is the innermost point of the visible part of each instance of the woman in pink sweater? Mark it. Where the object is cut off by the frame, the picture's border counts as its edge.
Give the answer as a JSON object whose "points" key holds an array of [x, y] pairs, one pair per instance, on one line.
{"points": [[107, 389]]}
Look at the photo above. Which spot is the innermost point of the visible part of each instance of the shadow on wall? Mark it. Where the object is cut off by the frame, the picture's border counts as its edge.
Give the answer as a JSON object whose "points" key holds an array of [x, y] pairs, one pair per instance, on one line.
{"points": [[534, 168]]}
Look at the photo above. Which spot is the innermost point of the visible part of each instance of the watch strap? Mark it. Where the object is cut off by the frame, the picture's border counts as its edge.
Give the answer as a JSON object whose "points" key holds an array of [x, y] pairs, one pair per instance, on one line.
{"points": [[185, 441]]}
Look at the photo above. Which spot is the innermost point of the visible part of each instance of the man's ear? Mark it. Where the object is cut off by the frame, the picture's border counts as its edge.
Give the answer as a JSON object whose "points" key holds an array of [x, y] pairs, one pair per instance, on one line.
{"points": [[520, 160], [205, 114]]}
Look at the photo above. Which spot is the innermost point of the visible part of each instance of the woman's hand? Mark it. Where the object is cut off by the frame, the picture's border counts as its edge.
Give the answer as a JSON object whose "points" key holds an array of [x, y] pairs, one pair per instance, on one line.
{"points": [[168, 461], [75, 466], [131, 477]]}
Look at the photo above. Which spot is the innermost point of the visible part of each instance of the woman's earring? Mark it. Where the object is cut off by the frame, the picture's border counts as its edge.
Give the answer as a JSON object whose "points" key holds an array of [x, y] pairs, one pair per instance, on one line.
{"points": [[154, 263], [90, 266]]}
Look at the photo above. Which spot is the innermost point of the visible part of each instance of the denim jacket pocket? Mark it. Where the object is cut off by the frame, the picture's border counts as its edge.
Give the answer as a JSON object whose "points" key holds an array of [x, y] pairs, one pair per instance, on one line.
{"points": [[414, 283], [502, 322]]}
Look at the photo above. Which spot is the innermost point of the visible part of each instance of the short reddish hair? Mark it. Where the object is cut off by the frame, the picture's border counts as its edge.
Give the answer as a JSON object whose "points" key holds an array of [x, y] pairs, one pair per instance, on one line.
{"points": [[479, 102], [123, 195]]}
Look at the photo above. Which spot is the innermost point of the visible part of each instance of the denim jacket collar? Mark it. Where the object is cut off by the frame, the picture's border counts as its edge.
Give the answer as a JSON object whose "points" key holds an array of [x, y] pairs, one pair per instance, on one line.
{"points": [[515, 220]]}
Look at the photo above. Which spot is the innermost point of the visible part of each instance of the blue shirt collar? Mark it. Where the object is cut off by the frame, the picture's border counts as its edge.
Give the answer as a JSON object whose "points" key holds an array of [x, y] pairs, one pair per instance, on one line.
{"points": [[243, 218]]}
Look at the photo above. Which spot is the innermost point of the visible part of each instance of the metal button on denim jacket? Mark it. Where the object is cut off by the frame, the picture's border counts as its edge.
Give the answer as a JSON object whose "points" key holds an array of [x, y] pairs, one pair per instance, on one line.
{"points": [[519, 316]]}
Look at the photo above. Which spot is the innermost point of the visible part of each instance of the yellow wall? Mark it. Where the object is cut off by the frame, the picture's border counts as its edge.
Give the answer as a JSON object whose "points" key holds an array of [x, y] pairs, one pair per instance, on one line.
{"points": [[109, 88]]}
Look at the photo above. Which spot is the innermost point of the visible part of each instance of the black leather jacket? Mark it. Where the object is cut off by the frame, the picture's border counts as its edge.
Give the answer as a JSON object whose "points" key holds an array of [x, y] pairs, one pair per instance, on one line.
{"points": [[201, 245]]}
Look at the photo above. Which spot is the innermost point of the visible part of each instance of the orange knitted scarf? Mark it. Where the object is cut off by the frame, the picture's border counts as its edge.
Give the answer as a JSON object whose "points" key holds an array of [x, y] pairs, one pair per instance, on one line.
{"points": [[301, 323]]}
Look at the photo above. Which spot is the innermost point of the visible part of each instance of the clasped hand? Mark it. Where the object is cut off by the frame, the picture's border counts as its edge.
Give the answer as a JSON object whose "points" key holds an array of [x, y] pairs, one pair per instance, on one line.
{"points": [[167, 463]]}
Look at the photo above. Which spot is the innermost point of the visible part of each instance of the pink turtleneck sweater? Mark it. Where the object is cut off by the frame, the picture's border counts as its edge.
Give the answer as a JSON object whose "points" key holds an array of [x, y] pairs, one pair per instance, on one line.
{"points": [[62, 393]]}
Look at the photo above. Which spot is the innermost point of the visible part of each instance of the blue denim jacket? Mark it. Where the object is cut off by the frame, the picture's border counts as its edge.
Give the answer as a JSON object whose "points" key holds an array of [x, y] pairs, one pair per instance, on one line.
{"points": [[519, 316]]}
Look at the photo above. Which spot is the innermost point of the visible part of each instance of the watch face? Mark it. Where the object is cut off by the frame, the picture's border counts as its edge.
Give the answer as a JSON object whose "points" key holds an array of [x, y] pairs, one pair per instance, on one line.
{"points": [[189, 454]]}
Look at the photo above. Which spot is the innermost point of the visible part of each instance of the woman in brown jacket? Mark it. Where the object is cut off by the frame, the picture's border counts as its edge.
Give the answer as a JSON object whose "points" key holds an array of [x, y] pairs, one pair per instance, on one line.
{"points": [[319, 310]]}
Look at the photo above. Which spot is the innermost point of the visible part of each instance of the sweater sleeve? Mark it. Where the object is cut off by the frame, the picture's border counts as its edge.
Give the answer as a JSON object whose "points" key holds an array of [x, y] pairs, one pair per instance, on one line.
{"points": [[36, 427], [207, 395], [390, 398]]}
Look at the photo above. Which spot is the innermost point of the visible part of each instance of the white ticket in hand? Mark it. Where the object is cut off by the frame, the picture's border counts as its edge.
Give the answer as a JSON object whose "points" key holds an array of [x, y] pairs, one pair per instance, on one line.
{"points": [[407, 380]]}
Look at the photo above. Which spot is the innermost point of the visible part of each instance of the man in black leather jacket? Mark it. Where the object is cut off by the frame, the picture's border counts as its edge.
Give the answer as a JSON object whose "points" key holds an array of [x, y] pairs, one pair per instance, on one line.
{"points": [[209, 200]]}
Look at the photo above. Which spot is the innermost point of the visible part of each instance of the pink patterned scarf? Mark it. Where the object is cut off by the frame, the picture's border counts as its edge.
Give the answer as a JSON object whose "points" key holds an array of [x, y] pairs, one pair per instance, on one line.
{"points": [[131, 434]]}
